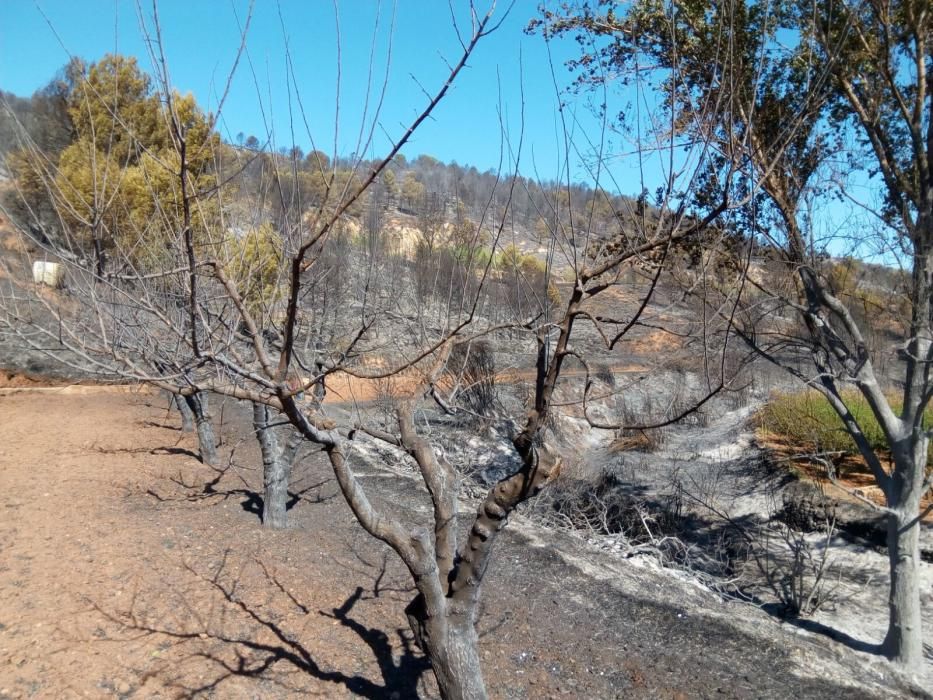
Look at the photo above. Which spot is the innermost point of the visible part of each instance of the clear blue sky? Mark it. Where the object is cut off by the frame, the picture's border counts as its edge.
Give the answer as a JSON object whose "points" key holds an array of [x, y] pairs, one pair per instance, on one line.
{"points": [[201, 39]]}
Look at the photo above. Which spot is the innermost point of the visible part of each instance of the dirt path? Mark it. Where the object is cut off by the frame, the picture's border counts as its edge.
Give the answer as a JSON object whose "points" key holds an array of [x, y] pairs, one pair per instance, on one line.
{"points": [[343, 388], [108, 591], [128, 569]]}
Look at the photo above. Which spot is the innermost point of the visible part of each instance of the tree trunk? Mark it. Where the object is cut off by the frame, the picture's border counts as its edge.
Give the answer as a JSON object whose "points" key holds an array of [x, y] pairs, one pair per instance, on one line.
{"points": [[456, 666], [443, 614], [187, 418], [197, 402], [276, 465], [452, 646], [903, 643]]}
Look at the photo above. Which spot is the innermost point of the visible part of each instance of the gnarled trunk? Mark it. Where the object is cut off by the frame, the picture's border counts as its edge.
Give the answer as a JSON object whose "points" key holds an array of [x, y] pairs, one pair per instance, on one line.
{"points": [[443, 615], [276, 469], [452, 645], [207, 446]]}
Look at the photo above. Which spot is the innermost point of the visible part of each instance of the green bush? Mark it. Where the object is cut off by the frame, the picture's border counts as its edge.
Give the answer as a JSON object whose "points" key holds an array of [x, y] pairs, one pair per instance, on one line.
{"points": [[477, 256], [807, 418]]}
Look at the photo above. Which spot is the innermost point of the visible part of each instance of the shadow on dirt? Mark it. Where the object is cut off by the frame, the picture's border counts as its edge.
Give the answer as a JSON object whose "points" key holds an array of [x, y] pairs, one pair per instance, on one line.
{"points": [[400, 678], [163, 426], [268, 651], [779, 611], [194, 490], [175, 451], [254, 503]]}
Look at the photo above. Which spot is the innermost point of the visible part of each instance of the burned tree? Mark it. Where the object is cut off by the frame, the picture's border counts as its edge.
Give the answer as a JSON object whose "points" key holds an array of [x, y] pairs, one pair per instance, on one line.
{"points": [[859, 69], [194, 300]]}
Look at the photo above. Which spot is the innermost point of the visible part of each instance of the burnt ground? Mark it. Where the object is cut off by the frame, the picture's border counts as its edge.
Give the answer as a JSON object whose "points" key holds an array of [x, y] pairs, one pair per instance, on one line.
{"points": [[129, 569]]}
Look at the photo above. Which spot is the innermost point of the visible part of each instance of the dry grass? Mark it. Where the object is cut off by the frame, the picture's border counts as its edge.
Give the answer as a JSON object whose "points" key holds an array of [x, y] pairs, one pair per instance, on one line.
{"points": [[643, 440], [792, 426], [807, 420]]}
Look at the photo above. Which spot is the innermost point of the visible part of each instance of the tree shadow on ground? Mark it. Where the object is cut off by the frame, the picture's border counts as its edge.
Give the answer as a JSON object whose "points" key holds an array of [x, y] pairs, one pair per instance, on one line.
{"points": [[771, 573], [254, 501], [175, 451], [163, 426], [250, 640], [774, 574], [779, 611], [195, 490], [400, 678]]}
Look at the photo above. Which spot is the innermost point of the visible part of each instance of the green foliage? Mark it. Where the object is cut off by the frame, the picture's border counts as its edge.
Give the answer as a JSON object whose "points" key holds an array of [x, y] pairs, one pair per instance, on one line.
{"points": [[475, 257], [135, 208], [114, 107], [510, 258], [254, 264], [30, 197], [515, 264], [808, 419], [318, 187], [87, 183], [201, 141], [721, 68], [117, 183], [390, 182], [412, 191]]}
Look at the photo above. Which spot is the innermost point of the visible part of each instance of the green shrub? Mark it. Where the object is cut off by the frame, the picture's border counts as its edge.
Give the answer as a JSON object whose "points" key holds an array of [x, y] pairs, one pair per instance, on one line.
{"points": [[254, 265], [807, 418], [478, 256], [511, 261]]}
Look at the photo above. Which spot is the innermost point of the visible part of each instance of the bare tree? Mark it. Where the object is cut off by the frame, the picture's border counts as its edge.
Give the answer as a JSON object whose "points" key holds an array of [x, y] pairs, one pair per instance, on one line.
{"points": [[860, 68], [190, 309]]}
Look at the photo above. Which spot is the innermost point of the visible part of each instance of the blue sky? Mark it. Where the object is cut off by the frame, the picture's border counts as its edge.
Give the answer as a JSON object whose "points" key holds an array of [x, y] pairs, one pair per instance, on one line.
{"points": [[201, 39]]}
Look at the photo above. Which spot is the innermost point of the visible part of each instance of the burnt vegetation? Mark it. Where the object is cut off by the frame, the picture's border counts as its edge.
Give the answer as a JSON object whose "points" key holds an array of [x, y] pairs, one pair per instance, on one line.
{"points": [[586, 359]]}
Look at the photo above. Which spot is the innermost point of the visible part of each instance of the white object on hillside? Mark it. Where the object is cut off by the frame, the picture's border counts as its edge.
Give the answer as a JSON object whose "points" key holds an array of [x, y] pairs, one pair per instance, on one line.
{"points": [[47, 273]]}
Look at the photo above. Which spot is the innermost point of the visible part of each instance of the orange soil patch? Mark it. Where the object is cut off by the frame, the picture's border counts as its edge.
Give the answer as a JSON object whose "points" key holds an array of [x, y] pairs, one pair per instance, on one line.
{"points": [[9, 380], [851, 470], [128, 569], [639, 441], [11, 241], [613, 297], [655, 341], [342, 387], [121, 578]]}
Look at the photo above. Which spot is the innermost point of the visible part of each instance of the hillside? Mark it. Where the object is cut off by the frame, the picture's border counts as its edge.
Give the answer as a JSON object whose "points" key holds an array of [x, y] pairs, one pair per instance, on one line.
{"points": [[277, 422]]}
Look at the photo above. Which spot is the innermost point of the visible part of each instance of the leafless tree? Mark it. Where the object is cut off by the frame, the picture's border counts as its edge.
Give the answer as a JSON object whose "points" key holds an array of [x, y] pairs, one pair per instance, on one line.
{"points": [[851, 93], [188, 321]]}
